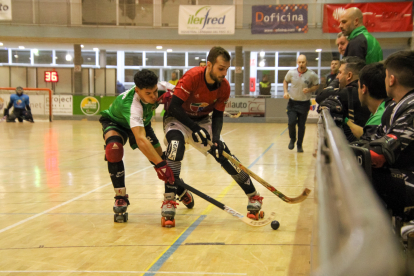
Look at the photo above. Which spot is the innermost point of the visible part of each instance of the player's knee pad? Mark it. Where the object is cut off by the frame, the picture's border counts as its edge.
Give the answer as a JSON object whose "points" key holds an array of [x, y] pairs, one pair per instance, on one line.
{"points": [[176, 145], [114, 149]]}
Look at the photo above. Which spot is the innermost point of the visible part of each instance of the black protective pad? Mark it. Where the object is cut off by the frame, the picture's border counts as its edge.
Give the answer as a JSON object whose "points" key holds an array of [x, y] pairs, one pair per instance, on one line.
{"points": [[176, 145], [363, 157]]}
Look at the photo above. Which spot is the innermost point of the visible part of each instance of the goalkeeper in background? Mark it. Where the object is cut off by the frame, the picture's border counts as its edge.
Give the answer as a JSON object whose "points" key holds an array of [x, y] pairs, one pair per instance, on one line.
{"points": [[21, 109]]}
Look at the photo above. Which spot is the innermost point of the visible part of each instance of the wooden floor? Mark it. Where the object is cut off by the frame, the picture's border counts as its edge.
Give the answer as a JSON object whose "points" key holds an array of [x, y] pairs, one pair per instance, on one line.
{"points": [[56, 203]]}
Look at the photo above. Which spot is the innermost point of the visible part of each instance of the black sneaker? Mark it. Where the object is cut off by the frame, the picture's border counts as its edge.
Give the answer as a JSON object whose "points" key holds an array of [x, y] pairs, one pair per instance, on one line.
{"points": [[299, 147], [291, 145]]}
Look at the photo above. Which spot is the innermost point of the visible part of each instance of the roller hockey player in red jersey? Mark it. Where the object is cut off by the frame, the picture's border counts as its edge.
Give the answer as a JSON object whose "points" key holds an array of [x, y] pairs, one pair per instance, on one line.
{"points": [[200, 91]]}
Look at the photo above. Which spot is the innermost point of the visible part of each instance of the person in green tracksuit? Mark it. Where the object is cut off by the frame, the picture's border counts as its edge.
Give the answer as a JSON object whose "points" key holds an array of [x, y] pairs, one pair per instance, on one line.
{"points": [[372, 94], [129, 117], [361, 43]]}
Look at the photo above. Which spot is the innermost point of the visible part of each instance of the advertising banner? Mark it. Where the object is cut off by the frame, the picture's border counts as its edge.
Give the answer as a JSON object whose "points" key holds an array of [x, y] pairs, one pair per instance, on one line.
{"points": [[378, 16], [279, 19], [206, 20], [61, 105], [5, 10], [86, 105], [247, 106]]}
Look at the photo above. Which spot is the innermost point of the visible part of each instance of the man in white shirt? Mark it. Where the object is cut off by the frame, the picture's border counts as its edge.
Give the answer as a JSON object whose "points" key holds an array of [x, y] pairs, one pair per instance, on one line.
{"points": [[303, 83]]}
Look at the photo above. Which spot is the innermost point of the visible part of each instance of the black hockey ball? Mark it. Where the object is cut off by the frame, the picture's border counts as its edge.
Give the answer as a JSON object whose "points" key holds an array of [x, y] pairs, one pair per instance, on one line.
{"points": [[275, 225]]}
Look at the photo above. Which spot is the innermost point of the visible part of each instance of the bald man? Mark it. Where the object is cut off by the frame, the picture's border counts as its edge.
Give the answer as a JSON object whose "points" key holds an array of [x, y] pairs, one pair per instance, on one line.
{"points": [[361, 43], [303, 83]]}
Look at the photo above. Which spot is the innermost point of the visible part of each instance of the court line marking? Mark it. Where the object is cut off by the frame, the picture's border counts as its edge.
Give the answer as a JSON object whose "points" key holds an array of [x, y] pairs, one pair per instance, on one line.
{"points": [[119, 272], [159, 261], [284, 131], [40, 247], [71, 200]]}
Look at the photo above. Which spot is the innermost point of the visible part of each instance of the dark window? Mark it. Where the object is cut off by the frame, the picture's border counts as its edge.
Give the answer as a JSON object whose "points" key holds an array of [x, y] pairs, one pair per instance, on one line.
{"points": [[43, 57], [195, 58], [287, 59], [133, 59], [21, 56], [155, 59], [129, 74], [64, 57], [89, 58], [176, 59], [4, 56], [267, 60], [281, 75]]}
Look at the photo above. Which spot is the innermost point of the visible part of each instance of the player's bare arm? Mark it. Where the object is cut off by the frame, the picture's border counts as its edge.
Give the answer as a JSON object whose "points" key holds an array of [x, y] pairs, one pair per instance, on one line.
{"points": [[310, 90], [285, 89], [145, 146], [356, 129]]}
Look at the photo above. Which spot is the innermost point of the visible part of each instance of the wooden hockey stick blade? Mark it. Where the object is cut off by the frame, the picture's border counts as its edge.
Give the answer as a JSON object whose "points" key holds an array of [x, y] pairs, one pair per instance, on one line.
{"points": [[225, 208], [291, 200], [248, 221], [236, 115]]}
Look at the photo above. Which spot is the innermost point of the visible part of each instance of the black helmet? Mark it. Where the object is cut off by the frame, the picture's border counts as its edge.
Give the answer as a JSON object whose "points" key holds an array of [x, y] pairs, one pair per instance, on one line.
{"points": [[19, 90]]}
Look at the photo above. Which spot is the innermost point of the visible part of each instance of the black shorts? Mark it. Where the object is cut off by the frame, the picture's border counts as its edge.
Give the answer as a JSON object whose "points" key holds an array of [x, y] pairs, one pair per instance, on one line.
{"points": [[108, 125]]}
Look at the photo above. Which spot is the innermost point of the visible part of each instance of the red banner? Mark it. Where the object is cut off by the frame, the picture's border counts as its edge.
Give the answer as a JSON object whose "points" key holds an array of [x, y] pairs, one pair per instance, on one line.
{"points": [[378, 17]]}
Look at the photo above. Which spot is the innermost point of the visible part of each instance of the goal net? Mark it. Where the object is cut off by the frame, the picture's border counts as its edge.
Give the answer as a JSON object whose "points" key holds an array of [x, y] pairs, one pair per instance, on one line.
{"points": [[40, 101]]}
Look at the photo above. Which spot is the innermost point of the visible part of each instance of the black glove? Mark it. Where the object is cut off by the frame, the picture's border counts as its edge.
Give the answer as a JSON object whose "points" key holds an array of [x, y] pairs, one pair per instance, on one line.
{"points": [[27, 115], [6, 112], [217, 151], [200, 135], [334, 105]]}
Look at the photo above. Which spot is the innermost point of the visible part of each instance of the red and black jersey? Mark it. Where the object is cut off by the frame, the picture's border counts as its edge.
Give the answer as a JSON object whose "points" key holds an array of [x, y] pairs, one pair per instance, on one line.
{"points": [[198, 99]]}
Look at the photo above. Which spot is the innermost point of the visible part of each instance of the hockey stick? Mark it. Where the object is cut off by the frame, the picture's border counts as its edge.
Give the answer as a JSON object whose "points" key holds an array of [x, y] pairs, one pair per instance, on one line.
{"points": [[233, 116], [287, 199], [225, 208]]}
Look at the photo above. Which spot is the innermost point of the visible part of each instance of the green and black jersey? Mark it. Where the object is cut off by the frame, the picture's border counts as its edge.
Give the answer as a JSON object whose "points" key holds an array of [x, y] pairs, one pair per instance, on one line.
{"points": [[129, 111]]}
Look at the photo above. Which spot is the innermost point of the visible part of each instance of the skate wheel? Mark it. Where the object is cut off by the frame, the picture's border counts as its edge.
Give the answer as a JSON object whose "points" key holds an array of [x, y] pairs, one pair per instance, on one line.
{"points": [[261, 214], [120, 218], [162, 221], [252, 216], [170, 223]]}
